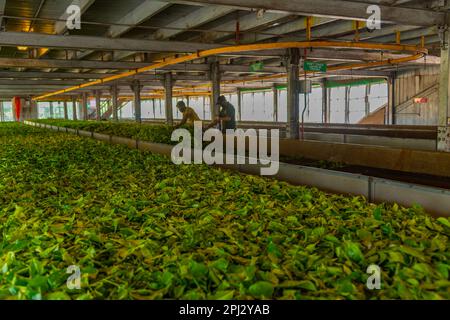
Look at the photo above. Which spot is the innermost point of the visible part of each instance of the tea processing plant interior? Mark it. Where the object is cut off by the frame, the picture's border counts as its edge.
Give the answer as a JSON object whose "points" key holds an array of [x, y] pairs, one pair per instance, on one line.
{"points": [[358, 92]]}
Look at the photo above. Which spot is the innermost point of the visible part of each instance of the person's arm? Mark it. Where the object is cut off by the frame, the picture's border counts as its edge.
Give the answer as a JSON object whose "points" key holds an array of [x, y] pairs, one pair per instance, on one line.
{"points": [[183, 121], [213, 124], [222, 117]]}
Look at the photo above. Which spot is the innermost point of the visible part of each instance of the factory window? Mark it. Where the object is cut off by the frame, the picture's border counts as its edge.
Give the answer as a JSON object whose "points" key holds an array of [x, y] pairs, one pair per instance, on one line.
{"points": [[233, 99], [357, 103], [282, 105], [160, 109], [337, 105], [197, 103], [127, 111], [44, 110], [313, 112], [58, 110], [269, 110], [378, 96], [7, 112], [207, 115], [147, 109], [247, 107], [70, 107], [257, 106]]}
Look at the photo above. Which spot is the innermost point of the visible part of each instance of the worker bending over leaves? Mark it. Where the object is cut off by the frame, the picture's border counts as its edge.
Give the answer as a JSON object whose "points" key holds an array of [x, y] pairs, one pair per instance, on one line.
{"points": [[189, 115]]}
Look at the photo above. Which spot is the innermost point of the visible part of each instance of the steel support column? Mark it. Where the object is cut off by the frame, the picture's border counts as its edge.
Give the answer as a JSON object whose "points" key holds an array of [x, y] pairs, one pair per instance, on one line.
{"points": [[347, 105], [325, 102], [154, 108], [239, 96], [275, 103], [215, 79], [367, 101], [168, 85], [115, 102], [66, 114], [204, 107], [35, 109], [293, 98], [51, 110], [98, 108], [2, 114], [84, 106], [444, 93], [390, 112], [74, 108], [136, 88]]}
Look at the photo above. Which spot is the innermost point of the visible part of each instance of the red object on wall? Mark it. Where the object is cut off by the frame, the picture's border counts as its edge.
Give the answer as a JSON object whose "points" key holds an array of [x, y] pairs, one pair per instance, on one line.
{"points": [[421, 100], [17, 107]]}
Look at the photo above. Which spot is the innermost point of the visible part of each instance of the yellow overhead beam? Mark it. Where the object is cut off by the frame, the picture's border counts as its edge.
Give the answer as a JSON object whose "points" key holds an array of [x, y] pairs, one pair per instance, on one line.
{"points": [[417, 52]]}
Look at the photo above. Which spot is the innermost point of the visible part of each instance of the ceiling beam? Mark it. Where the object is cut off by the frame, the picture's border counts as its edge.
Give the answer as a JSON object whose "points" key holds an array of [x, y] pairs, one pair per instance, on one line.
{"points": [[406, 35], [40, 40], [42, 78], [197, 18], [66, 83], [138, 15], [360, 73], [349, 56], [247, 23], [118, 65], [61, 76], [384, 31], [67, 64], [192, 20], [428, 40], [292, 26], [339, 9]]}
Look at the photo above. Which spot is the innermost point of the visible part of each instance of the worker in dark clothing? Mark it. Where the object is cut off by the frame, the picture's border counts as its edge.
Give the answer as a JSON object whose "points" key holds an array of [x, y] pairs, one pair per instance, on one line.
{"points": [[227, 115]]}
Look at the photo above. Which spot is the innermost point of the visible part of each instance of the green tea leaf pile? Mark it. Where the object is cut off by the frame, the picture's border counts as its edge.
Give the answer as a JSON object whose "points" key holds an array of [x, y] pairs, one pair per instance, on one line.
{"points": [[140, 227], [152, 133], [160, 133]]}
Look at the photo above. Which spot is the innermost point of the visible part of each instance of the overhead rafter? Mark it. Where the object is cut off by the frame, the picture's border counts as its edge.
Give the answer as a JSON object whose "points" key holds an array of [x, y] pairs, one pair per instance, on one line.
{"points": [[192, 20], [138, 15], [293, 26], [410, 34], [39, 40], [89, 64], [196, 18], [385, 31], [37, 76], [339, 9], [247, 22], [84, 76]]}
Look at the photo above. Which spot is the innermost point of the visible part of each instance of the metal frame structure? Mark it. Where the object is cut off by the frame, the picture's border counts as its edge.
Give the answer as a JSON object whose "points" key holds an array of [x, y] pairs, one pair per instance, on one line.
{"points": [[39, 54]]}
